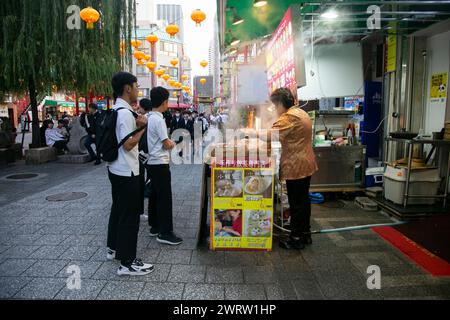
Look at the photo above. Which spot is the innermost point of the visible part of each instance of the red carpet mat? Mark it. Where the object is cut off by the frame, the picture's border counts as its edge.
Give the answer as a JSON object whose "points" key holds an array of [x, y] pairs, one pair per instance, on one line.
{"points": [[426, 242]]}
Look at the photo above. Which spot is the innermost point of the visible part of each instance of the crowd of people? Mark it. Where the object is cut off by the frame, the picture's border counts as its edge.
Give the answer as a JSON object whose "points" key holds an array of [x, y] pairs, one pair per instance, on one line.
{"points": [[142, 132]]}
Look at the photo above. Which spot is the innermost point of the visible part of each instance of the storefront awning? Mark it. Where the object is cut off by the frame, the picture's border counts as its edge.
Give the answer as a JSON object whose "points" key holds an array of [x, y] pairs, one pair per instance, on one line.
{"points": [[173, 105], [55, 103]]}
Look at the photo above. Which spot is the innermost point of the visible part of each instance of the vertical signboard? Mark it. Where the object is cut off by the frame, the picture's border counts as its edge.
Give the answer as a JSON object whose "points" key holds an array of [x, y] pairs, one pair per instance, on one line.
{"points": [[242, 205], [285, 54]]}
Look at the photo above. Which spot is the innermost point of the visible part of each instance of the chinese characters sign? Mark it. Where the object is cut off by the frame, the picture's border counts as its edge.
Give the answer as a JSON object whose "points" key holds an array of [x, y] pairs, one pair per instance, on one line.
{"points": [[242, 205], [284, 58]]}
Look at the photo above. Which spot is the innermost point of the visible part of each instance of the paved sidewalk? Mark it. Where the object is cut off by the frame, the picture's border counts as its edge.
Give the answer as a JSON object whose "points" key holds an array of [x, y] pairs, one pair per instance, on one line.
{"points": [[40, 239]]}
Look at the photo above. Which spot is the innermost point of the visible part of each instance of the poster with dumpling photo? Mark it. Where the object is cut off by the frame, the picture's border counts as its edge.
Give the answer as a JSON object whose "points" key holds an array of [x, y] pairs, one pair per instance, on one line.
{"points": [[257, 223], [228, 183], [258, 183]]}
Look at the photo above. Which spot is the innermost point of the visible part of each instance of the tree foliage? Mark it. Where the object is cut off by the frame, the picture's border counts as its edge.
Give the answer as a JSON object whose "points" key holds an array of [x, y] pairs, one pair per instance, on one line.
{"points": [[36, 44]]}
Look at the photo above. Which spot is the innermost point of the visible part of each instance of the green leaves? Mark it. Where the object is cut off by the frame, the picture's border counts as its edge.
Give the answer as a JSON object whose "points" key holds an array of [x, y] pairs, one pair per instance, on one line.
{"points": [[35, 40]]}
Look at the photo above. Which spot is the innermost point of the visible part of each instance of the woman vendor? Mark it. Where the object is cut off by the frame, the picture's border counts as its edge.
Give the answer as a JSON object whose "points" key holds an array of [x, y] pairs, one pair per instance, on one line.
{"points": [[298, 164]]}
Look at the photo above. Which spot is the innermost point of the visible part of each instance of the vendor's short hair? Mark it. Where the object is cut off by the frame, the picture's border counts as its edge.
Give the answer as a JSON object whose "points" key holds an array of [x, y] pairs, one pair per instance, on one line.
{"points": [[284, 97]]}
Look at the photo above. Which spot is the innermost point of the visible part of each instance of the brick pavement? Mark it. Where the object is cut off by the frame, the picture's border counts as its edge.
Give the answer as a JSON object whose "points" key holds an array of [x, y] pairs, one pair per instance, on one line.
{"points": [[40, 239]]}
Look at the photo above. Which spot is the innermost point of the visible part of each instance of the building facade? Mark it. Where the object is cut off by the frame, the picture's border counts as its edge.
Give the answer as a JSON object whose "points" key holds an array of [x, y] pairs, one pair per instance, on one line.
{"points": [[171, 13]]}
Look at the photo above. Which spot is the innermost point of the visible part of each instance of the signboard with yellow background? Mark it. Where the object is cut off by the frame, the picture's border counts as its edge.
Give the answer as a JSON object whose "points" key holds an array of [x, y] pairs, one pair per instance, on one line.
{"points": [[242, 205], [438, 88]]}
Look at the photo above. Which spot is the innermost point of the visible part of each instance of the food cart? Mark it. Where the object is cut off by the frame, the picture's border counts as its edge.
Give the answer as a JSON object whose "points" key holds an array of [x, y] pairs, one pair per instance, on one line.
{"points": [[240, 196]]}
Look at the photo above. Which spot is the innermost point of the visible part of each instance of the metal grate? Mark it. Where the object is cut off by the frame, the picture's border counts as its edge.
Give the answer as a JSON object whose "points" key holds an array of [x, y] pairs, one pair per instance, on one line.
{"points": [[68, 196], [22, 176]]}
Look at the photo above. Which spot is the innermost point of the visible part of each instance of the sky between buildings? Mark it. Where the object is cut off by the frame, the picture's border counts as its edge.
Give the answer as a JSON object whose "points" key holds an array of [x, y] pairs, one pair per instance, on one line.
{"points": [[197, 39]]}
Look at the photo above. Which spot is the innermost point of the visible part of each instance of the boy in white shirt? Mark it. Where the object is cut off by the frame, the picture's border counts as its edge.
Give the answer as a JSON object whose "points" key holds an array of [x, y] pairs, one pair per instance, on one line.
{"points": [[159, 144], [124, 220]]}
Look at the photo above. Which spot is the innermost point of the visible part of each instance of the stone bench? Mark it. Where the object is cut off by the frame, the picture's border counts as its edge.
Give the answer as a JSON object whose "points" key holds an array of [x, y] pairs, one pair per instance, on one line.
{"points": [[40, 155], [74, 158]]}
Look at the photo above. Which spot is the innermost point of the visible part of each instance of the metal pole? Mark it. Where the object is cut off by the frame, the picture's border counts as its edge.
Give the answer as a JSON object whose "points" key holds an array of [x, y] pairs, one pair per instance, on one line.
{"points": [[446, 180], [408, 175]]}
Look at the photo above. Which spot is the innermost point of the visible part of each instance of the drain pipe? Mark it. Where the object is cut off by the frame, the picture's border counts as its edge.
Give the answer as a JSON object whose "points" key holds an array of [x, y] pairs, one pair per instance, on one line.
{"points": [[424, 91]]}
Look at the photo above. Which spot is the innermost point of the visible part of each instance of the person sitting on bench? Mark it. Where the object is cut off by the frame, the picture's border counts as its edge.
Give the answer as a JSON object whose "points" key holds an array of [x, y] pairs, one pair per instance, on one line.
{"points": [[55, 139]]}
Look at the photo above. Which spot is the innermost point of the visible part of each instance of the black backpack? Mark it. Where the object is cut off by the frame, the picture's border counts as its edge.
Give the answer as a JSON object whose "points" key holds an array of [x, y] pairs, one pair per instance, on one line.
{"points": [[143, 144], [108, 146]]}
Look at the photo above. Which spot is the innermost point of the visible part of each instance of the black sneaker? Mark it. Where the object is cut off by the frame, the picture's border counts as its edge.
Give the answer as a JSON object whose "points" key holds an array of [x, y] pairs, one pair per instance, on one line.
{"points": [[170, 239], [292, 244], [154, 232]]}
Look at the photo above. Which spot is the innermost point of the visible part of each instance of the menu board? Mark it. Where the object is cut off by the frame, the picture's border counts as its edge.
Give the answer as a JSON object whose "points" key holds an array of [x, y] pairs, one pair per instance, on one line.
{"points": [[242, 205], [284, 57]]}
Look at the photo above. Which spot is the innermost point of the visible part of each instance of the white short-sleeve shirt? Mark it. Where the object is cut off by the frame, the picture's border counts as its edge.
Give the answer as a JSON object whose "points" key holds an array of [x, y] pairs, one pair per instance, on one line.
{"points": [[156, 134], [127, 164]]}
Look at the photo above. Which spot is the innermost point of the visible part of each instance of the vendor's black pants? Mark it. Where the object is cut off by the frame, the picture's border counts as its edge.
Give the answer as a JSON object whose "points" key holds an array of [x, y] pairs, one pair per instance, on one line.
{"points": [[124, 219], [300, 205], [160, 201]]}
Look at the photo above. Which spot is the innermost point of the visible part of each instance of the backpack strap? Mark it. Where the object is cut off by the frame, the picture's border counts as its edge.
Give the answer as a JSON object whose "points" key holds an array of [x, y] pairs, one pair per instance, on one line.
{"points": [[132, 133]]}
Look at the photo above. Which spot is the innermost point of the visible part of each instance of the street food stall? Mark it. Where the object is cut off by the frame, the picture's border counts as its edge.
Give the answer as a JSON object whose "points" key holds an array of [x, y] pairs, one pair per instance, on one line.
{"points": [[240, 196]]}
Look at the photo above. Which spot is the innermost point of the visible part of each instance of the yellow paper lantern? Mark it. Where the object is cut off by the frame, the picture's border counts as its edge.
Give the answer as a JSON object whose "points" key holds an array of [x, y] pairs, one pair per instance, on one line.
{"points": [[175, 94], [151, 66], [90, 16], [203, 81], [184, 77], [141, 62], [174, 62], [147, 57], [166, 77], [204, 63], [160, 72], [172, 30], [171, 82], [198, 16], [139, 55], [152, 39], [136, 43]]}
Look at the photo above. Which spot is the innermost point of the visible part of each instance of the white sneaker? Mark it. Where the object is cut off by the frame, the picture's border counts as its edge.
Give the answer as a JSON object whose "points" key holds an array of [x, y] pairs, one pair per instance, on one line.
{"points": [[110, 255], [144, 217], [130, 271]]}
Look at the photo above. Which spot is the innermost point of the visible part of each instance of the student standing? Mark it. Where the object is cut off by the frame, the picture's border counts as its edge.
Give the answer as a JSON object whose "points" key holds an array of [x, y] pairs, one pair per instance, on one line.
{"points": [[124, 176], [159, 144], [88, 122]]}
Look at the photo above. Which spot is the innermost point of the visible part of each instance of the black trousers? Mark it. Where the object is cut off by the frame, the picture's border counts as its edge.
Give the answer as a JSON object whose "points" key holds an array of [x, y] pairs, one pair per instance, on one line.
{"points": [[141, 188], [61, 145], [160, 201], [124, 220], [300, 205]]}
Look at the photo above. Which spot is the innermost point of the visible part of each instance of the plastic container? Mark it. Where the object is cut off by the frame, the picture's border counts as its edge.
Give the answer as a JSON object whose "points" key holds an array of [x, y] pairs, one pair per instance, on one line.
{"points": [[423, 182], [374, 177]]}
